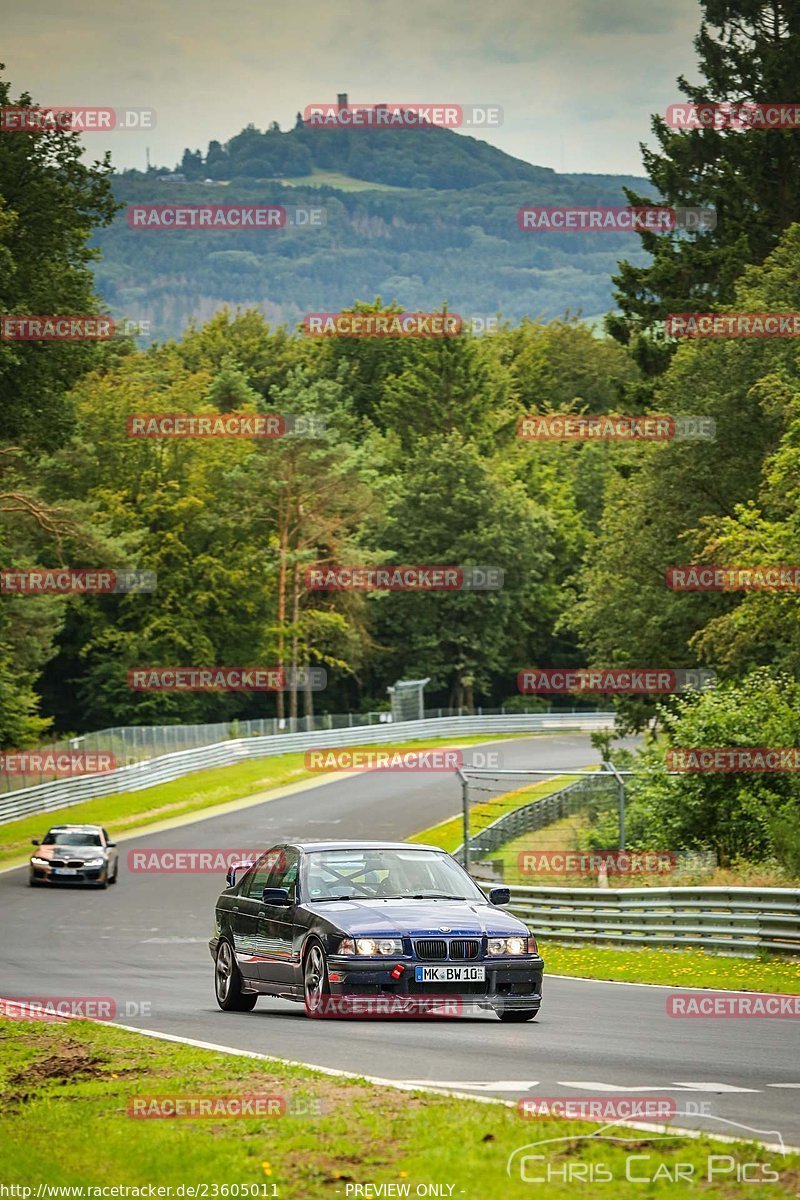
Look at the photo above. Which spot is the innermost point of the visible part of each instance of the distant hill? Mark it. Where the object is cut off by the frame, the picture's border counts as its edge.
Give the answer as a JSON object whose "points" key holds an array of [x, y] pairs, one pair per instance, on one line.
{"points": [[428, 157], [452, 238]]}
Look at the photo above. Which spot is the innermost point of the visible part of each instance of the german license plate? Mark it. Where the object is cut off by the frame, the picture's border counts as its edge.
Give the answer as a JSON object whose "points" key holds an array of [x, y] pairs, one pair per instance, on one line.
{"points": [[450, 974], [65, 870]]}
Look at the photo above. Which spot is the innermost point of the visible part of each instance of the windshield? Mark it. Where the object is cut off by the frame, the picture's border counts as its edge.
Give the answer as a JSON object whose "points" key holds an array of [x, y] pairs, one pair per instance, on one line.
{"points": [[72, 837], [385, 875]]}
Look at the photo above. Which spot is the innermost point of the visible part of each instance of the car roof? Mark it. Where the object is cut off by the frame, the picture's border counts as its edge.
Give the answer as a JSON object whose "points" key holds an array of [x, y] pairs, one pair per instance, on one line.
{"points": [[306, 847], [79, 828]]}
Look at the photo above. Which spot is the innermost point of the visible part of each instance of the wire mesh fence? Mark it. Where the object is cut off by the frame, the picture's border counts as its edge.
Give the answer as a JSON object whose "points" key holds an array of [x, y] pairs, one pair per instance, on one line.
{"points": [[128, 744], [503, 811], [534, 828]]}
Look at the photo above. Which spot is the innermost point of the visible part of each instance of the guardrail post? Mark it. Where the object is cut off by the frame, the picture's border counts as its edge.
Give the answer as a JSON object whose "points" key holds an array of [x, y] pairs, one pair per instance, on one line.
{"points": [[465, 820], [609, 766]]}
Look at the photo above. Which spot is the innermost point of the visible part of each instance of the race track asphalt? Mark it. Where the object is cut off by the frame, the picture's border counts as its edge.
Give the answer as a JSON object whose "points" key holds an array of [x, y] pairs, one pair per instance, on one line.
{"points": [[144, 944]]}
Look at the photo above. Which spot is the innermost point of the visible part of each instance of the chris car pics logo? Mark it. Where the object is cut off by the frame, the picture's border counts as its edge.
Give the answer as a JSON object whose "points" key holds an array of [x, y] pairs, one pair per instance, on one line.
{"points": [[652, 1158]]}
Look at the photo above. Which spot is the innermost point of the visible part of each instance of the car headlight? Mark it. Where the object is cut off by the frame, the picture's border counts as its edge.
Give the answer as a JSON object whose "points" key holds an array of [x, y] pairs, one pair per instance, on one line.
{"points": [[371, 947], [40, 862], [511, 946], [94, 862]]}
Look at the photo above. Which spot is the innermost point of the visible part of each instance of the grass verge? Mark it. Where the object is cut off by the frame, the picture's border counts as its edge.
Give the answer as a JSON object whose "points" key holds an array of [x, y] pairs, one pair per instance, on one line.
{"points": [[449, 834], [68, 1087], [128, 811], [675, 968], [335, 179]]}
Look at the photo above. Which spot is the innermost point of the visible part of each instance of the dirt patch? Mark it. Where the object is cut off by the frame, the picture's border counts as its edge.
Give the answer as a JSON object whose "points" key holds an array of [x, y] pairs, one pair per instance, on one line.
{"points": [[332, 1096], [323, 1168], [71, 1061]]}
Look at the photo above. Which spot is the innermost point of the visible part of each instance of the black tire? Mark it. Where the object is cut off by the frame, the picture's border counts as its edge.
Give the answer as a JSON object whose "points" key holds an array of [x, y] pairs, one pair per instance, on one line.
{"points": [[517, 1014], [315, 980], [113, 878], [103, 883], [33, 882], [228, 982]]}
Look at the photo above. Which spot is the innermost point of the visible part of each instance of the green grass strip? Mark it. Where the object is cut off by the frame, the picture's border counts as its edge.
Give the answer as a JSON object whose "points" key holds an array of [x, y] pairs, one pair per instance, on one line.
{"points": [[67, 1090], [197, 792]]}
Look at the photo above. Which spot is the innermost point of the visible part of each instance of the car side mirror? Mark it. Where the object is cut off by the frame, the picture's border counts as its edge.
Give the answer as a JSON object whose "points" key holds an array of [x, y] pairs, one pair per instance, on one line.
{"points": [[499, 895], [276, 896], [111, 845], [34, 841]]}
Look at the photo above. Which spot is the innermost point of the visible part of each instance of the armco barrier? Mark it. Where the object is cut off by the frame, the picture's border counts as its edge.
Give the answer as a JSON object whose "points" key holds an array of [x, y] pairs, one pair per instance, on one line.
{"points": [[47, 797], [737, 920], [529, 817]]}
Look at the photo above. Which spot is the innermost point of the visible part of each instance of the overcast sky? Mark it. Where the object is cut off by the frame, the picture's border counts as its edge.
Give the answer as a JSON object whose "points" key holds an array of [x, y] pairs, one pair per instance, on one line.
{"points": [[577, 79]]}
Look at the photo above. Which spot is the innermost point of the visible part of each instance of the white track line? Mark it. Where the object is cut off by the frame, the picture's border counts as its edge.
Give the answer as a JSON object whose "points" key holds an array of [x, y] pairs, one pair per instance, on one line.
{"points": [[398, 1084], [404, 1086], [669, 987]]}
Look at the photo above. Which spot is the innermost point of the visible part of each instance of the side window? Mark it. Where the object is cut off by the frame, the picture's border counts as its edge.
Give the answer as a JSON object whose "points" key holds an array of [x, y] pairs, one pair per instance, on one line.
{"points": [[106, 838], [256, 881], [284, 873]]}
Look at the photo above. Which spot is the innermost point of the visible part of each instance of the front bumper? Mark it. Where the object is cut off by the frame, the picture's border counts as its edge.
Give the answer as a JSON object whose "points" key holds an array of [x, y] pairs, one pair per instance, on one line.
{"points": [[41, 874], [508, 984]]}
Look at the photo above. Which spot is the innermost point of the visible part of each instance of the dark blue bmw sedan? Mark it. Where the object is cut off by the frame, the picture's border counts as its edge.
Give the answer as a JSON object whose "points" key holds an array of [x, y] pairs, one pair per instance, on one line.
{"points": [[360, 928]]}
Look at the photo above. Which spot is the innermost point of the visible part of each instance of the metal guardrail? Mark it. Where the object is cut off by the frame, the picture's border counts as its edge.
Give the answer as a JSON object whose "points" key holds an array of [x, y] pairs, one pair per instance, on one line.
{"points": [[741, 920], [128, 744], [535, 815], [63, 793]]}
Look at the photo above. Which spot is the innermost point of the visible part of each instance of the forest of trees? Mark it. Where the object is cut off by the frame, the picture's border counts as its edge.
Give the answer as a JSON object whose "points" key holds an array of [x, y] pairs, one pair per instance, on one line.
{"points": [[418, 247], [421, 463]]}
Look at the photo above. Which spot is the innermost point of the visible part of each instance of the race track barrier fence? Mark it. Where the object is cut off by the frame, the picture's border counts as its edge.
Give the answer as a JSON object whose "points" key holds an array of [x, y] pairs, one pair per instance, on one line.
{"points": [[63, 793], [733, 920], [728, 920], [529, 817]]}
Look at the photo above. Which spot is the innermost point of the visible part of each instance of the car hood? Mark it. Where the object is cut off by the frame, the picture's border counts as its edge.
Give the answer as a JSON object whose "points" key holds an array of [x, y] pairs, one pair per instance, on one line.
{"points": [[418, 918], [49, 852]]}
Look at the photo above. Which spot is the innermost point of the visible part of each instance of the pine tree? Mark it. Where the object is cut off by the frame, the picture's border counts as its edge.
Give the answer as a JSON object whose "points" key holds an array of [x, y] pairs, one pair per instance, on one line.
{"points": [[229, 390], [749, 51]]}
